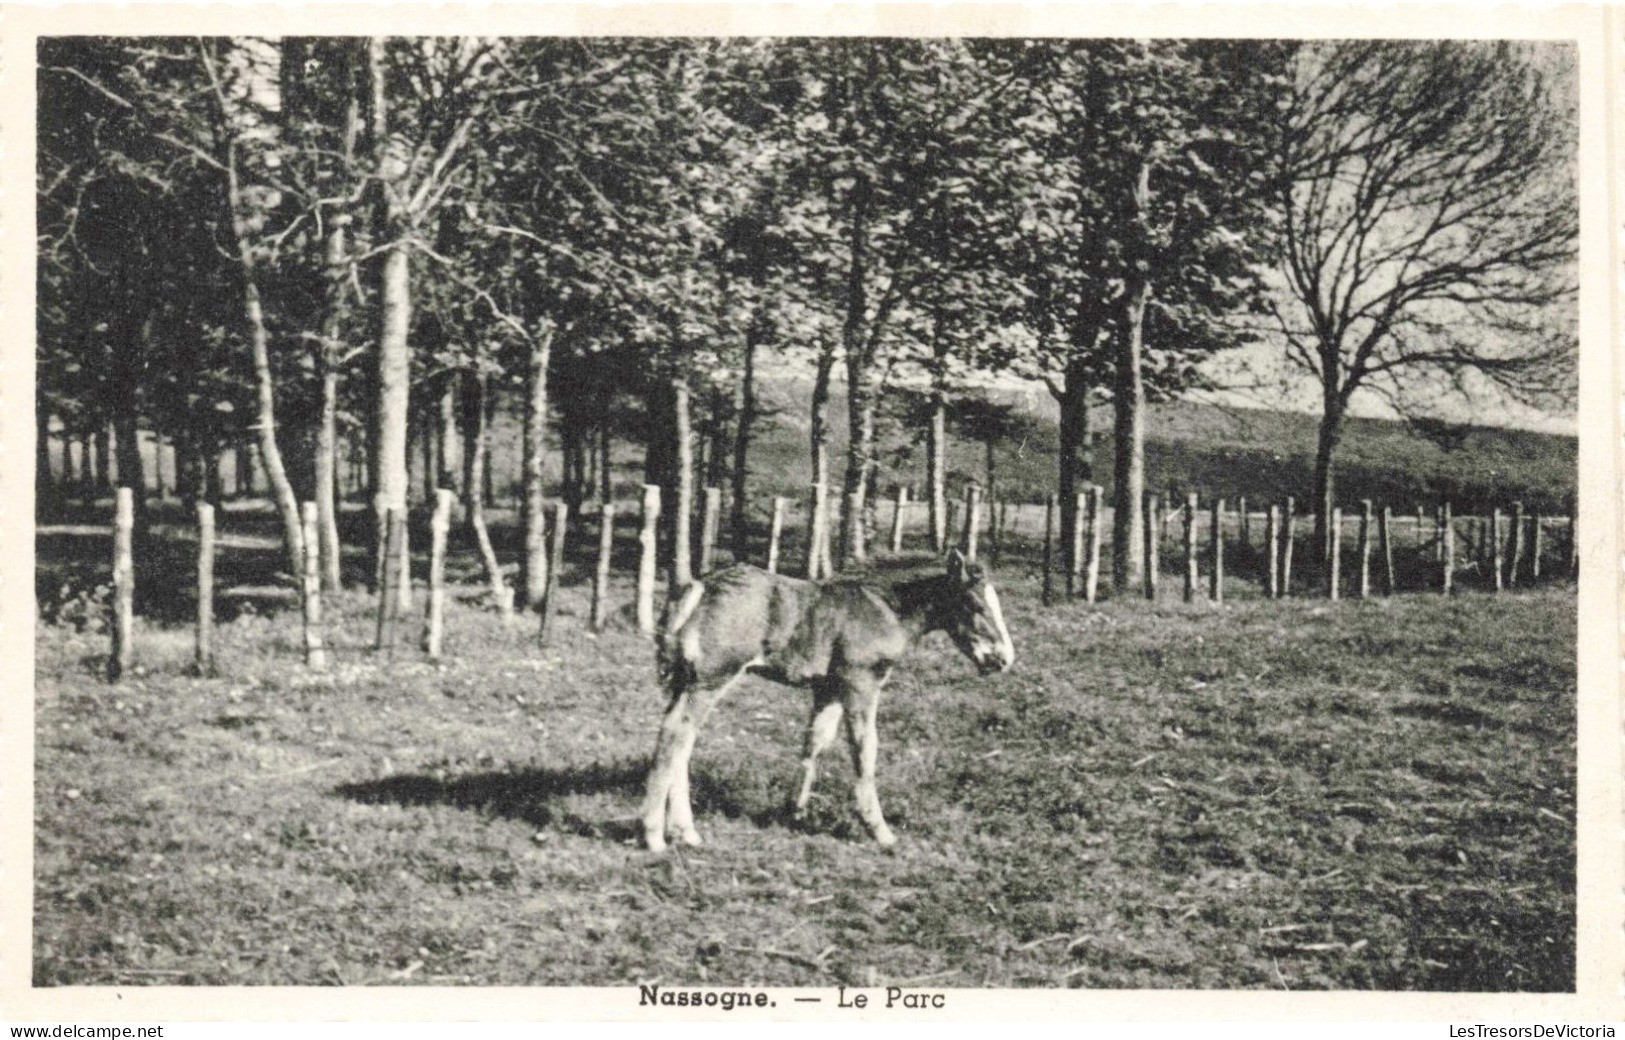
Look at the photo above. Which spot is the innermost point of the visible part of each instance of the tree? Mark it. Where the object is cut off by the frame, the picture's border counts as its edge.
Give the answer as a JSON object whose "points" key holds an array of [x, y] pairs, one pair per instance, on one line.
{"points": [[1430, 227], [895, 145], [182, 220], [424, 99], [1154, 241], [992, 423]]}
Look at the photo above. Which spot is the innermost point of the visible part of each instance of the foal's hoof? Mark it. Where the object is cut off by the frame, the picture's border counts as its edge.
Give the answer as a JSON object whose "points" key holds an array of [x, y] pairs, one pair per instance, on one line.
{"points": [[691, 838], [885, 838]]}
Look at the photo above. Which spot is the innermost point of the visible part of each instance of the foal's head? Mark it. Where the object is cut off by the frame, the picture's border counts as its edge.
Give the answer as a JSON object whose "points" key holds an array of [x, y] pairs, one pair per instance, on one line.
{"points": [[969, 612]]}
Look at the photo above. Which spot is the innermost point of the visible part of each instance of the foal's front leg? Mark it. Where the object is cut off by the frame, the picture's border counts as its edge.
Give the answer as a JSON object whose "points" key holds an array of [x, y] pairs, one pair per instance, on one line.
{"points": [[672, 748], [862, 699], [668, 777]]}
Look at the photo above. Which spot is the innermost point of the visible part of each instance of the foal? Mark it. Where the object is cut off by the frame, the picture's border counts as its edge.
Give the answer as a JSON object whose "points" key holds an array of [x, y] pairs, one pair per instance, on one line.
{"points": [[840, 639]]}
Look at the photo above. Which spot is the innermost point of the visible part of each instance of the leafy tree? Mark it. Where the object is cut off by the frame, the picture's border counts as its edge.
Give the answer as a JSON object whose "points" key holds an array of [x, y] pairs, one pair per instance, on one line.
{"points": [[1153, 239]]}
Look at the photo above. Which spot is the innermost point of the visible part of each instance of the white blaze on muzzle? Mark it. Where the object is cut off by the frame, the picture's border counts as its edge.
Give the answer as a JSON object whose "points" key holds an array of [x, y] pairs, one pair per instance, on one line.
{"points": [[1006, 649]]}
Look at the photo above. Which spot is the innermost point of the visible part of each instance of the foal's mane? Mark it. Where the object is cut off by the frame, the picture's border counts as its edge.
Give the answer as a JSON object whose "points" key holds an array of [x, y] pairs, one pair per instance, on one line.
{"points": [[914, 594]]}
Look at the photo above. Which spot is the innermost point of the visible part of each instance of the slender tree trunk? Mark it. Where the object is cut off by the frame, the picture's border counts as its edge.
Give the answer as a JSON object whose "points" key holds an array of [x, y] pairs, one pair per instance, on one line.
{"points": [[245, 471], [532, 513], [213, 492], [259, 343], [450, 450], [1075, 460], [475, 440], [818, 435], [1330, 434], [658, 468], [714, 470], [103, 459], [327, 438], [127, 445], [1129, 402], [606, 473], [992, 493], [745, 418], [1129, 431], [570, 452], [860, 391], [682, 495], [859, 451], [188, 473], [936, 470], [393, 402]]}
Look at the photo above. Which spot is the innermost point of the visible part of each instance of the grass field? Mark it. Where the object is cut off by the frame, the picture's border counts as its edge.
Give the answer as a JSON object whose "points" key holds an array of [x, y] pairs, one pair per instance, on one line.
{"points": [[1265, 794]]}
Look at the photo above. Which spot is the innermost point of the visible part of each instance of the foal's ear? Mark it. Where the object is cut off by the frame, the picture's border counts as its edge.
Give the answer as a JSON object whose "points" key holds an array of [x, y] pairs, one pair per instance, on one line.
{"points": [[956, 565]]}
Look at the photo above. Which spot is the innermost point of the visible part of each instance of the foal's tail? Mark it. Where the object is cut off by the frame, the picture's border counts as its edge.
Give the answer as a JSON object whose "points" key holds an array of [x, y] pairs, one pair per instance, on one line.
{"points": [[678, 610]]}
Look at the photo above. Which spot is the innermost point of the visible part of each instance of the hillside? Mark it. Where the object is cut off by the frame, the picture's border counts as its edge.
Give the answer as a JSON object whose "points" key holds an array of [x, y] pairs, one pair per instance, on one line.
{"points": [[1264, 455]]}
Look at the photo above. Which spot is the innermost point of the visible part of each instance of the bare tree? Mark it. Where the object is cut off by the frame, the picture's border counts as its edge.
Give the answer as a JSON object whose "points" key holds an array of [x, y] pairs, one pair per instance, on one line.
{"points": [[1429, 226]]}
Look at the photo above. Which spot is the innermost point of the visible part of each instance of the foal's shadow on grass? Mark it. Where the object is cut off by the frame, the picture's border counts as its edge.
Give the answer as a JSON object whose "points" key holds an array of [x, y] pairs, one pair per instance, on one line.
{"points": [[535, 796]]}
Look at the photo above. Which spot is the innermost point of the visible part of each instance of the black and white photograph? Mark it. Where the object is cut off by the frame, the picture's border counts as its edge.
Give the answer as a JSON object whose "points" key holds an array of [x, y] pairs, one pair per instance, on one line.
{"points": [[716, 515]]}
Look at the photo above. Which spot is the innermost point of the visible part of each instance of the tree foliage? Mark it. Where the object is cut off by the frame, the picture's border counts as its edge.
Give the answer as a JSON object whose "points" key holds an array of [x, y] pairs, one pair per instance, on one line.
{"points": [[607, 235]]}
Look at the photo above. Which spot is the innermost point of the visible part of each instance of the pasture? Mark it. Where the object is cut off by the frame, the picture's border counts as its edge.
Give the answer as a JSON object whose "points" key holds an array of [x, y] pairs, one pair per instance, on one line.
{"points": [[1265, 794]]}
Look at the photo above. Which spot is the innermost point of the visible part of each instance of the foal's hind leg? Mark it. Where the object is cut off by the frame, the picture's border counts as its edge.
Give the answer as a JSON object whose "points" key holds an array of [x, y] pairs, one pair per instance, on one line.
{"points": [[862, 698], [826, 719]]}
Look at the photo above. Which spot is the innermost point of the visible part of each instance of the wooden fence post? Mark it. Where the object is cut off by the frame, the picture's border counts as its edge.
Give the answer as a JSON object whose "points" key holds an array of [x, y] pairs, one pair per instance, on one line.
{"points": [[1272, 547], [1091, 572], [896, 520], [973, 514], [817, 535], [1153, 542], [403, 579], [555, 563], [1075, 540], [1536, 538], [1334, 555], [648, 543], [1495, 547], [1192, 575], [1288, 521], [1516, 551], [118, 662], [204, 657], [1441, 521], [388, 596], [709, 517], [774, 532], [600, 578], [1385, 546], [1049, 549], [1447, 550], [310, 535], [434, 635], [1216, 579], [992, 507], [1365, 548]]}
